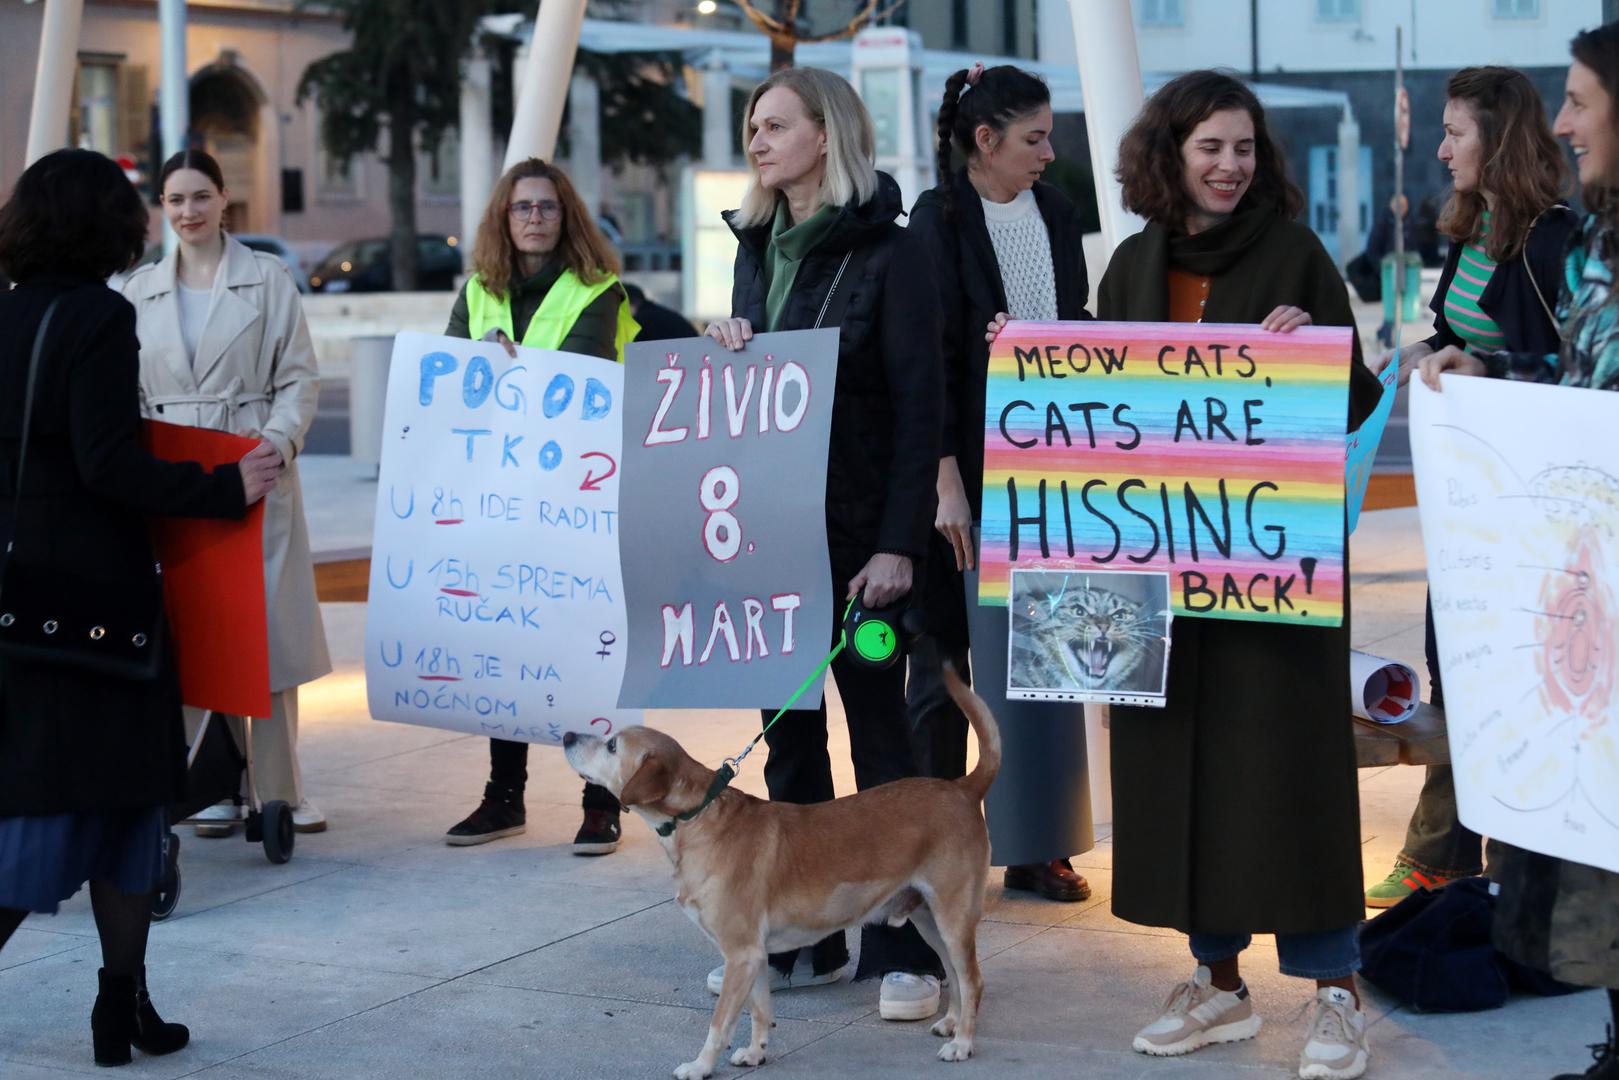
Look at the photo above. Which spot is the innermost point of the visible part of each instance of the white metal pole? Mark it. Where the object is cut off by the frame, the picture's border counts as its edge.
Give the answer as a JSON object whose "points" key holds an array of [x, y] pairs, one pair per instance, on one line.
{"points": [[477, 149], [53, 77], [1349, 181], [174, 94], [585, 140], [1110, 79], [544, 86], [718, 134]]}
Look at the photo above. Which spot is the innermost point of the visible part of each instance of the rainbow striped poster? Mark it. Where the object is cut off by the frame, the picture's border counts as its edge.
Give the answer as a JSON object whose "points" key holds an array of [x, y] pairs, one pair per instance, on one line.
{"points": [[1213, 452]]}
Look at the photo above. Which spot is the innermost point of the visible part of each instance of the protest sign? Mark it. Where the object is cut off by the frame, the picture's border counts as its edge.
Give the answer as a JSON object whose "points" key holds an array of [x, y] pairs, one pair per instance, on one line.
{"points": [[496, 605], [1214, 453], [1520, 521], [726, 573], [213, 584], [1360, 445]]}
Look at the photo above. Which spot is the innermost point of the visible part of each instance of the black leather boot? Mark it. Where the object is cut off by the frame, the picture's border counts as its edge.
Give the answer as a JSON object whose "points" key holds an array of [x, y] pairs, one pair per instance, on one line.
{"points": [[123, 1016]]}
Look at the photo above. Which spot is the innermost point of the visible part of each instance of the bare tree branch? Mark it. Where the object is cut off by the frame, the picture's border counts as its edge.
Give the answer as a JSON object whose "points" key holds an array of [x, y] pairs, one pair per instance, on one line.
{"points": [[862, 18]]}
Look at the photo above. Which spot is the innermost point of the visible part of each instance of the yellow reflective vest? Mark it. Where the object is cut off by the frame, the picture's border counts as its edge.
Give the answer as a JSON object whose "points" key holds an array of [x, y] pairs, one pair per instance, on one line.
{"points": [[560, 309]]}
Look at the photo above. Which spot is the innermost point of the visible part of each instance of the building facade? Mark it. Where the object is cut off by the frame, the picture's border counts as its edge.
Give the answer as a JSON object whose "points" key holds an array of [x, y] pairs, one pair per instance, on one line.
{"points": [[245, 58]]}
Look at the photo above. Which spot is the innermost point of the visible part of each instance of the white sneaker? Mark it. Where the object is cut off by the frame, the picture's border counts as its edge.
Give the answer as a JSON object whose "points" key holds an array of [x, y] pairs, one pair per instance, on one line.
{"points": [[778, 981], [219, 819], [1337, 1047], [908, 997], [1196, 1015], [307, 818]]}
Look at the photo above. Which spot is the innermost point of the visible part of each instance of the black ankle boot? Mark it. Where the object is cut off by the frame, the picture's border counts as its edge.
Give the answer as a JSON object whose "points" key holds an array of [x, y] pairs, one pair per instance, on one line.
{"points": [[123, 1016]]}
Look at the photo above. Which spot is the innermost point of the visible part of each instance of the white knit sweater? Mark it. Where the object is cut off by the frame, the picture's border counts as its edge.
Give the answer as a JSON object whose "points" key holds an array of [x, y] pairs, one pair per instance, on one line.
{"points": [[1023, 252]]}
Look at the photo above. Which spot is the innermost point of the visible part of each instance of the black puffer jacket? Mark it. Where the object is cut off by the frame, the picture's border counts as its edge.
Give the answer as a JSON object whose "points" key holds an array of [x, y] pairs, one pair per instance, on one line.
{"points": [[888, 404]]}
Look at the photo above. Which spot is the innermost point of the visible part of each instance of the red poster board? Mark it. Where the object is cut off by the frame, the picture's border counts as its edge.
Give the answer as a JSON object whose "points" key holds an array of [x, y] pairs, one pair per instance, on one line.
{"points": [[213, 574]]}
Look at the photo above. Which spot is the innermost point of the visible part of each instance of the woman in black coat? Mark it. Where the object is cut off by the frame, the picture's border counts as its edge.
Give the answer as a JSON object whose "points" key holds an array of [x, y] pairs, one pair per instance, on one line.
{"points": [[999, 242], [1236, 809], [817, 238], [88, 761]]}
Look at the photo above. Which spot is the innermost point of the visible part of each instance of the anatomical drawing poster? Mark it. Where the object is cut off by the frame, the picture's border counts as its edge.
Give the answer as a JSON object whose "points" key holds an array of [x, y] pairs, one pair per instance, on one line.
{"points": [[1518, 486]]}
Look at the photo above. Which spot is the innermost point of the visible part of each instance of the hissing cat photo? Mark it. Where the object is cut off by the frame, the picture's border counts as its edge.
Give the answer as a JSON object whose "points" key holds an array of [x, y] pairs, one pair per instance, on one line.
{"points": [[1081, 636]]}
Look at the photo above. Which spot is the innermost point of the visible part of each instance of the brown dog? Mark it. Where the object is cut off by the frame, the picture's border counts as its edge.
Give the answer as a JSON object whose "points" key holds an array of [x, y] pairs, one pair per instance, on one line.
{"points": [[762, 877]]}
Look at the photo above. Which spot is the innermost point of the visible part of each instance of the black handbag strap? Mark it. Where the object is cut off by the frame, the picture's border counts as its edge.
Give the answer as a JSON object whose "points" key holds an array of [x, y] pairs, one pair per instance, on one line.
{"points": [[28, 401]]}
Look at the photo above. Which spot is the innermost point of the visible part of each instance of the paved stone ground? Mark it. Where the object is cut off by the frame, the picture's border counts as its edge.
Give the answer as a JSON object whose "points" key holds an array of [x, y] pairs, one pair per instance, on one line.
{"points": [[380, 952]]}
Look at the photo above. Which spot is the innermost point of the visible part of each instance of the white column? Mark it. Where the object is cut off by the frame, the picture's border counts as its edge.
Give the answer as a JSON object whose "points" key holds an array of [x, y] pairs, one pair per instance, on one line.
{"points": [[1110, 78], [477, 149], [268, 211], [585, 140], [174, 89], [1349, 239], [544, 84], [53, 77], [718, 134]]}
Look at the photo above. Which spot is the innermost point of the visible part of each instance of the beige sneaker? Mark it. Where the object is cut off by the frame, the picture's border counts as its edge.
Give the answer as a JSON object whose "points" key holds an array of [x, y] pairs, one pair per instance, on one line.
{"points": [[1196, 1015], [1337, 1047]]}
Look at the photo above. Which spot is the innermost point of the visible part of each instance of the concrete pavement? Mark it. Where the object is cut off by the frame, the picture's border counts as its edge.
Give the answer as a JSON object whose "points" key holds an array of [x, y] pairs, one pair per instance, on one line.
{"points": [[380, 952]]}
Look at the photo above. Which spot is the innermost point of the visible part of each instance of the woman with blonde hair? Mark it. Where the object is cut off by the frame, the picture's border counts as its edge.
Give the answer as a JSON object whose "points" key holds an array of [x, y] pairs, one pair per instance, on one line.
{"points": [[818, 244], [544, 277]]}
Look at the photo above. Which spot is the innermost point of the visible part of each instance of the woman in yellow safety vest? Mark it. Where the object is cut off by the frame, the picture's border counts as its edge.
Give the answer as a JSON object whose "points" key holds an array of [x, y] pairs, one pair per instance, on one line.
{"points": [[545, 277]]}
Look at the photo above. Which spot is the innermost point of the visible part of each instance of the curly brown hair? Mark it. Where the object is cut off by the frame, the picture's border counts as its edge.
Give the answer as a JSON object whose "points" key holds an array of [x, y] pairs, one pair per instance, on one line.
{"points": [[1151, 166], [1521, 165], [75, 214], [581, 245]]}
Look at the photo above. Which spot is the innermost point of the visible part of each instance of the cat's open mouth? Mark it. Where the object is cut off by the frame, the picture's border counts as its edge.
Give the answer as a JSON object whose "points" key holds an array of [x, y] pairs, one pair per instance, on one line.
{"points": [[1092, 658]]}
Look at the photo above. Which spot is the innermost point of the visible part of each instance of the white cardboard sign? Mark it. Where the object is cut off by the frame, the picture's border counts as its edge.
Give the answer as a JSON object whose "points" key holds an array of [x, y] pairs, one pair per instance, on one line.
{"points": [[1518, 486], [496, 604]]}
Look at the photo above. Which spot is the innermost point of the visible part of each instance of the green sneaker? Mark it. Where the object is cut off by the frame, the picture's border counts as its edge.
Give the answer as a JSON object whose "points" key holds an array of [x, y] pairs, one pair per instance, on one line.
{"points": [[1402, 881]]}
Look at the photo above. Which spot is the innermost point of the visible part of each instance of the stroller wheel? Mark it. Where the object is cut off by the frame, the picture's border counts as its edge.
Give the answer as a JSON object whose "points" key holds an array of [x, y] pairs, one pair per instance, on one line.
{"points": [[276, 820], [167, 897]]}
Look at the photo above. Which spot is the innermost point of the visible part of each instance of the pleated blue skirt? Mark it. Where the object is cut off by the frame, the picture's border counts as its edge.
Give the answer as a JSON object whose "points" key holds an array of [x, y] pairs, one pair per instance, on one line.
{"points": [[46, 858]]}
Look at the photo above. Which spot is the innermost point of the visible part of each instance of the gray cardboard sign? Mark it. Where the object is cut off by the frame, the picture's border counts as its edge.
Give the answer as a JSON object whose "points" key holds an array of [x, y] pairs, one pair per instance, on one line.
{"points": [[723, 522]]}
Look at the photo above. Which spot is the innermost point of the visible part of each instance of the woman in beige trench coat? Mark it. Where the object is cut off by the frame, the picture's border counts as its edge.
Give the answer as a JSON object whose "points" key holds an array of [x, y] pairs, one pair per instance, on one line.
{"points": [[224, 345]]}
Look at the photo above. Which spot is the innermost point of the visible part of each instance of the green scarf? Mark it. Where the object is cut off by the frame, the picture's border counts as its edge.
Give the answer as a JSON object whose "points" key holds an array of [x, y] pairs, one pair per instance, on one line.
{"points": [[789, 245]]}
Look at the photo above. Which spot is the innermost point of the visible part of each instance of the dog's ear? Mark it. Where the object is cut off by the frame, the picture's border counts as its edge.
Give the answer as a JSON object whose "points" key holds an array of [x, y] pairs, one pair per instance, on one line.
{"points": [[649, 785]]}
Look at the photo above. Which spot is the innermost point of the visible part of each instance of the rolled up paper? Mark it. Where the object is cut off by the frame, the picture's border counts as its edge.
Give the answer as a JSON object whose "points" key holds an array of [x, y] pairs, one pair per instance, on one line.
{"points": [[1382, 690]]}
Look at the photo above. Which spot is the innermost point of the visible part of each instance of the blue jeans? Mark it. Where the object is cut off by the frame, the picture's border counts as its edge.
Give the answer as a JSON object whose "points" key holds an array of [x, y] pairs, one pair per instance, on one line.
{"points": [[1328, 954]]}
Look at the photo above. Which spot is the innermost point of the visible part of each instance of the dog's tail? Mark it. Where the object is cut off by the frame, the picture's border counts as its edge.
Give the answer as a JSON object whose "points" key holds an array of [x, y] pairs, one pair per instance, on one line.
{"points": [[984, 726]]}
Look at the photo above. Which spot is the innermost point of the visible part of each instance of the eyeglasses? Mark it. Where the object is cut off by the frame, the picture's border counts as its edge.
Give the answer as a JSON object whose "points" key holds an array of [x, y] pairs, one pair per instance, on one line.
{"points": [[524, 210]]}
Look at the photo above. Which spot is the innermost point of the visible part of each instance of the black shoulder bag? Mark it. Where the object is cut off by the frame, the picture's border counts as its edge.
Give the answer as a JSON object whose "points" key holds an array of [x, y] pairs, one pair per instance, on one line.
{"points": [[108, 626]]}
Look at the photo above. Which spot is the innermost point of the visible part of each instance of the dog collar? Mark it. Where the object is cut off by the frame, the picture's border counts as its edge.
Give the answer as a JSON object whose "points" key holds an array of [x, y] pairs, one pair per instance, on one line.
{"points": [[722, 780]]}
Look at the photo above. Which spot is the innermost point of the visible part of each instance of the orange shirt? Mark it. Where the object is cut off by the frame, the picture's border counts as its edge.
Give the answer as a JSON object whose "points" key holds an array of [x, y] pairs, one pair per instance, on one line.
{"points": [[1188, 293]]}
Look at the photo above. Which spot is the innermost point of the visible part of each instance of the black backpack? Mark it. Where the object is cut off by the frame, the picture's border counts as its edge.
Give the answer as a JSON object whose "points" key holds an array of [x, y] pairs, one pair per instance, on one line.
{"points": [[1433, 951]]}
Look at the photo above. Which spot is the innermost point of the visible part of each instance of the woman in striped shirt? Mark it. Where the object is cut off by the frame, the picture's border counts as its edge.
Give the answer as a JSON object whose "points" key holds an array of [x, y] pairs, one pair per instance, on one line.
{"points": [[1508, 230]]}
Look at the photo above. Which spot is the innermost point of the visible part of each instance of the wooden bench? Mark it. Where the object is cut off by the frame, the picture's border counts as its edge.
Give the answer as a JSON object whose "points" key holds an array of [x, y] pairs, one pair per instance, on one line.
{"points": [[1420, 740]]}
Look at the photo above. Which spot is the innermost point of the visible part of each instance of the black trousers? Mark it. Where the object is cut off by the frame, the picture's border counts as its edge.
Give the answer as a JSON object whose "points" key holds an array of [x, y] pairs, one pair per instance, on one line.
{"points": [[799, 770], [508, 768]]}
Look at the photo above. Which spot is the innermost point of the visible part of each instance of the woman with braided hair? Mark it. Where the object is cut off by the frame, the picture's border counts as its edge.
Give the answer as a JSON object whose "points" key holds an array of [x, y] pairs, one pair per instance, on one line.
{"points": [[1001, 243]]}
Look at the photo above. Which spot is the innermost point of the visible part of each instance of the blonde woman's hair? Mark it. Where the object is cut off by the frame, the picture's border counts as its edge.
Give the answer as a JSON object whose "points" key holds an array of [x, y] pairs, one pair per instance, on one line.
{"points": [[851, 142], [581, 246]]}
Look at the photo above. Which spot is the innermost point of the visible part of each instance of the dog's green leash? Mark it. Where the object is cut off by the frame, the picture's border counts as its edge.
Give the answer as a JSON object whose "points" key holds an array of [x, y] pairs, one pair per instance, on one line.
{"points": [[732, 765]]}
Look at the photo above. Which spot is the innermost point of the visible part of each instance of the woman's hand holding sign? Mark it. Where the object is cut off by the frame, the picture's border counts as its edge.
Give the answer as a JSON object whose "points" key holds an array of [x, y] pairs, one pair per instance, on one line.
{"points": [[996, 325], [732, 333], [1451, 359], [1285, 319]]}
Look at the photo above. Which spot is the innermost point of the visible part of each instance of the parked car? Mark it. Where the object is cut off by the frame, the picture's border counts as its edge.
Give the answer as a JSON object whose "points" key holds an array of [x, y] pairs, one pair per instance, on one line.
{"points": [[271, 245], [364, 266]]}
